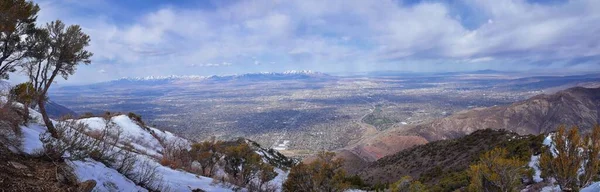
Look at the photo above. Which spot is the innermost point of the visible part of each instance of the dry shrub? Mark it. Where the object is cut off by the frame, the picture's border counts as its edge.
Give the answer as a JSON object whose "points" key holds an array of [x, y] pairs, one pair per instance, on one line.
{"points": [[126, 163], [71, 138], [10, 119], [86, 115], [146, 175], [169, 163], [176, 155], [74, 138]]}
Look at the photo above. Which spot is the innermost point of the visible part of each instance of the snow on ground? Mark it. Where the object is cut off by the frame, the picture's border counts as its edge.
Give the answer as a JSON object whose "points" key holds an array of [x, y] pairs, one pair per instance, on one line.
{"points": [[183, 181], [280, 179], [133, 133], [107, 179], [534, 164], [594, 187], [165, 134], [553, 188], [31, 138]]}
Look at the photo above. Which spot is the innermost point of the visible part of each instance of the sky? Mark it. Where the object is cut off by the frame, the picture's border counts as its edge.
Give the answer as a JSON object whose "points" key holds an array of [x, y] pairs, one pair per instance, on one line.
{"points": [[137, 38]]}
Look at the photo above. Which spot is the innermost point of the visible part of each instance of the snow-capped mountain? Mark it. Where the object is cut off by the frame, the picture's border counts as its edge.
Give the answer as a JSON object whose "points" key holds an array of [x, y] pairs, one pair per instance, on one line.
{"points": [[292, 74]]}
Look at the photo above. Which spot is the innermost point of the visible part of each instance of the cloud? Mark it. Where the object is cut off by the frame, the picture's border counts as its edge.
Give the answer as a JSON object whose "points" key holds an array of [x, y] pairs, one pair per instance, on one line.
{"points": [[224, 64], [337, 35]]}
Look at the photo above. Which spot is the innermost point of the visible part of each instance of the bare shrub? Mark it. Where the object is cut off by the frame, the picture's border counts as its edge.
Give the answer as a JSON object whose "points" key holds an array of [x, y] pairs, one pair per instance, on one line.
{"points": [[135, 117], [176, 155], [74, 138], [10, 119], [104, 147], [147, 175], [86, 115], [261, 187], [126, 163], [71, 138]]}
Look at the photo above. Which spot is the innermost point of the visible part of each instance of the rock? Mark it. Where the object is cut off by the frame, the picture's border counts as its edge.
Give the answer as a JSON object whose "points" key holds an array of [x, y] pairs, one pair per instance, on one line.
{"points": [[17, 165], [86, 186]]}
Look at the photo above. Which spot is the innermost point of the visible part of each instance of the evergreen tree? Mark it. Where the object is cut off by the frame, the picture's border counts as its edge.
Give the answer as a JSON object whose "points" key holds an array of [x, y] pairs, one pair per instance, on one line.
{"points": [[17, 20], [52, 51], [23, 93]]}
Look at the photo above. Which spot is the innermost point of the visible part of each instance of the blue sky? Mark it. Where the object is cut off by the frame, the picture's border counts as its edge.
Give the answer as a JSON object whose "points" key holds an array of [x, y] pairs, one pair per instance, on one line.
{"points": [[151, 37]]}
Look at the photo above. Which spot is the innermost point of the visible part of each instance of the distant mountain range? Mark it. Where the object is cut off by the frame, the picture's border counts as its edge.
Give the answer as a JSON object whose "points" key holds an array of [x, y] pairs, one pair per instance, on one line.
{"points": [[293, 74], [172, 80]]}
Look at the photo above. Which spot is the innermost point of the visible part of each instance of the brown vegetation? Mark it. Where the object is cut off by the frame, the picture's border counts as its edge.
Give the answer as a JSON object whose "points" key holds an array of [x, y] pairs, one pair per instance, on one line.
{"points": [[496, 172], [10, 120], [322, 174], [443, 164], [571, 154]]}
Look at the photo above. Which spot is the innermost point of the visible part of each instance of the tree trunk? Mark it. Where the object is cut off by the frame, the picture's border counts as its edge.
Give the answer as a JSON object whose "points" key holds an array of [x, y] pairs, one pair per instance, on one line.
{"points": [[47, 120], [25, 113]]}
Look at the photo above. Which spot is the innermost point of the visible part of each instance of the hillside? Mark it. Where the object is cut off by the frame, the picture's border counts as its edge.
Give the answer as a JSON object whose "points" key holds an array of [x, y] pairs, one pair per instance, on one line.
{"points": [[539, 114], [434, 161], [144, 148]]}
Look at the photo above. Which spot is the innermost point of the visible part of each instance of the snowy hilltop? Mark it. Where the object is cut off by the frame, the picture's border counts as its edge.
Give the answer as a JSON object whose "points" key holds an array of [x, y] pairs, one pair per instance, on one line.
{"points": [[134, 155]]}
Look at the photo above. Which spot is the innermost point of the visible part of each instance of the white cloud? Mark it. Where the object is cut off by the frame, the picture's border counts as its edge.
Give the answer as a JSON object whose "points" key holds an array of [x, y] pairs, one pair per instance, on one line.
{"points": [[332, 35]]}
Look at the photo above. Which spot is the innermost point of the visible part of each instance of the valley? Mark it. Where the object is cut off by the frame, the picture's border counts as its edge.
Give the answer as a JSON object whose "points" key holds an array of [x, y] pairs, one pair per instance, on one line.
{"points": [[302, 112]]}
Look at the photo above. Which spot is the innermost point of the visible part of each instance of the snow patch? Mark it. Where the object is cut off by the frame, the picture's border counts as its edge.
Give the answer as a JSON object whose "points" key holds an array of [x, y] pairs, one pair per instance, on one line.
{"points": [[534, 164], [107, 179], [31, 138], [139, 137]]}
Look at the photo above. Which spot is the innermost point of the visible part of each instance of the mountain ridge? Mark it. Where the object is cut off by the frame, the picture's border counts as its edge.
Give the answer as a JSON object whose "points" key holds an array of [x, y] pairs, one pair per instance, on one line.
{"points": [[233, 76], [537, 115]]}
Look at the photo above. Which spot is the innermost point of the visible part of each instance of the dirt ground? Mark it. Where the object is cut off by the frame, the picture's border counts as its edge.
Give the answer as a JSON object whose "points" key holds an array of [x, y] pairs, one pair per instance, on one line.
{"points": [[22, 173]]}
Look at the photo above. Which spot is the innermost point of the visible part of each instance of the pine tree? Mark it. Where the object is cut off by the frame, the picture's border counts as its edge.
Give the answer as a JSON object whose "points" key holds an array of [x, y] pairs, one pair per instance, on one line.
{"points": [[17, 20], [23, 93], [55, 50]]}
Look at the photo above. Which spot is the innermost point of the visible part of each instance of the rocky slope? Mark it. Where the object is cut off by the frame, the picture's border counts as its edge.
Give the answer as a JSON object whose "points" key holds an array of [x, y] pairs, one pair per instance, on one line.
{"points": [[540, 114], [431, 162]]}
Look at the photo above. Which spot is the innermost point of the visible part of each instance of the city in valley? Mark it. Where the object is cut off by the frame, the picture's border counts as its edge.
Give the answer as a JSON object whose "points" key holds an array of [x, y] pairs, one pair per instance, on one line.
{"points": [[302, 112]]}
